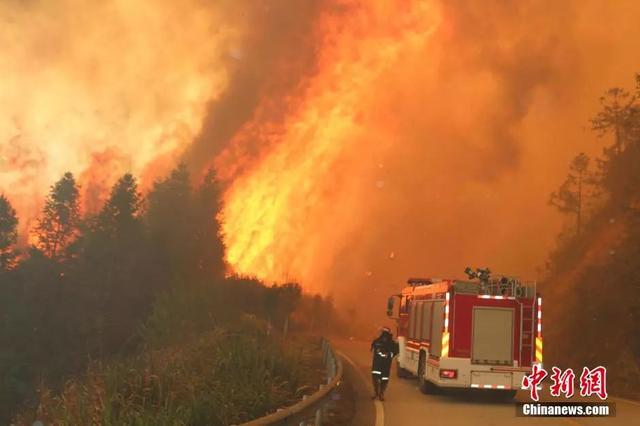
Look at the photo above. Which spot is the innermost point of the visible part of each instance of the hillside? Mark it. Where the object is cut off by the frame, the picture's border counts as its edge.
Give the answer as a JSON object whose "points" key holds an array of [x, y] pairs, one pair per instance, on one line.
{"points": [[592, 288], [591, 308]]}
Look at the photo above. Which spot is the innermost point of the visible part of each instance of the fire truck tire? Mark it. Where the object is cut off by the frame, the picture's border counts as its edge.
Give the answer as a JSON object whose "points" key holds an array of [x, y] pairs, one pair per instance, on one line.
{"points": [[402, 373], [425, 386]]}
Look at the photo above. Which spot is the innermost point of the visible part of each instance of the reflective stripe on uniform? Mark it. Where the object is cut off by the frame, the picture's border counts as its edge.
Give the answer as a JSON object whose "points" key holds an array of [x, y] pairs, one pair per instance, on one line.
{"points": [[375, 372], [385, 378]]}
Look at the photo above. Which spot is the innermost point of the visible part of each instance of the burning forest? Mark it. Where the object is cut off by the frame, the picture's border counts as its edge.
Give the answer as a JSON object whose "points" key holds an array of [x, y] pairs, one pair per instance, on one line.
{"points": [[340, 145], [377, 111]]}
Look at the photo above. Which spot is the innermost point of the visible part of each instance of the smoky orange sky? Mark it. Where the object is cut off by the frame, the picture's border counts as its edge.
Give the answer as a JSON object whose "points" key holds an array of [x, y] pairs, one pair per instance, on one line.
{"points": [[359, 142]]}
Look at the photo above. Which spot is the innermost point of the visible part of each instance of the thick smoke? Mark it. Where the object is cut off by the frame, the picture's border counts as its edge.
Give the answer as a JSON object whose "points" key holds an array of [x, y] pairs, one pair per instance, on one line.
{"points": [[448, 156], [361, 141], [269, 66], [483, 137]]}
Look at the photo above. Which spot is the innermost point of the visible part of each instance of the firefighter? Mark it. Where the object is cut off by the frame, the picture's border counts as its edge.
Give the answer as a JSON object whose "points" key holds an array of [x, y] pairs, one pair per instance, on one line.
{"points": [[384, 348]]}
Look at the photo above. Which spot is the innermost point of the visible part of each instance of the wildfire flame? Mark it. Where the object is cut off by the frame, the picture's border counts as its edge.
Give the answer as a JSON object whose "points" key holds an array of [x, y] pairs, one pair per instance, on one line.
{"points": [[359, 141], [102, 88], [316, 156]]}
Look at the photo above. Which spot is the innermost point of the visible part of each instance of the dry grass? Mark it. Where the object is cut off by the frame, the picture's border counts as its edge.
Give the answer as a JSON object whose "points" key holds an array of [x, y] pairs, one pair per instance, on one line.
{"points": [[225, 377]]}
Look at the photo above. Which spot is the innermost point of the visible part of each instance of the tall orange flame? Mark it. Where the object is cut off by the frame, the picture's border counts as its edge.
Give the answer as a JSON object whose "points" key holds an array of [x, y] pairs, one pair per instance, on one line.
{"points": [[285, 196]]}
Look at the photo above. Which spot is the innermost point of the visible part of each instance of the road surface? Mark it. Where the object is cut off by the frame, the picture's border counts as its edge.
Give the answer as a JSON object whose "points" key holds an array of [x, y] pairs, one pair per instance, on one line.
{"points": [[405, 405]]}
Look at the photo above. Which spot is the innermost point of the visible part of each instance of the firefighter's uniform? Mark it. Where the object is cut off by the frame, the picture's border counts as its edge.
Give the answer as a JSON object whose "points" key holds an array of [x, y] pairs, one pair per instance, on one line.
{"points": [[384, 349]]}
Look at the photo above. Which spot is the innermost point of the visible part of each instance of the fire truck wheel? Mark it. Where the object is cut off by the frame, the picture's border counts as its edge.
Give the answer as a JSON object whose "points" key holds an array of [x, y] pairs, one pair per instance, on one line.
{"points": [[402, 373], [425, 386]]}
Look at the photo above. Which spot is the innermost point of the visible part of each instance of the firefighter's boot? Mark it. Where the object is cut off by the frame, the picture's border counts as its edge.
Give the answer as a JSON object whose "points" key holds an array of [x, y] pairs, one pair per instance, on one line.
{"points": [[376, 387], [383, 387]]}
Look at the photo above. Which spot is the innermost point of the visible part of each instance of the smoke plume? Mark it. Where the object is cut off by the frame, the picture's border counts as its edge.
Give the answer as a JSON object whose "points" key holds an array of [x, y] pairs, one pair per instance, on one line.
{"points": [[360, 142]]}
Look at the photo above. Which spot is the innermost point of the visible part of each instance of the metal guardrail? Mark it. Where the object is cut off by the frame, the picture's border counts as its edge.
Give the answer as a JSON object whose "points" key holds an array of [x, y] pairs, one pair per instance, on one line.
{"points": [[312, 409]]}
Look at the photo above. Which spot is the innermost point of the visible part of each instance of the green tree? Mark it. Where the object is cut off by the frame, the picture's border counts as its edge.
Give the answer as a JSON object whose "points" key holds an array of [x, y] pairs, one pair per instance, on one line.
{"points": [[619, 108], [115, 270], [60, 216], [120, 212], [620, 116], [208, 236], [185, 229], [8, 233], [170, 220], [570, 197], [284, 301]]}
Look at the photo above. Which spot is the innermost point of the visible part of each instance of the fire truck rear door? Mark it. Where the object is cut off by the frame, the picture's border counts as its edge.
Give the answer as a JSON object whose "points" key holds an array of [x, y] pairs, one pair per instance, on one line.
{"points": [[492, 340]]}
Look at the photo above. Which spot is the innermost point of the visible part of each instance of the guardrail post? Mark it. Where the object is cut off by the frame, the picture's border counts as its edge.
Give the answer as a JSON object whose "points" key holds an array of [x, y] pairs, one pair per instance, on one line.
{"points": [[319, 411], [303, 423], [331, 366]]}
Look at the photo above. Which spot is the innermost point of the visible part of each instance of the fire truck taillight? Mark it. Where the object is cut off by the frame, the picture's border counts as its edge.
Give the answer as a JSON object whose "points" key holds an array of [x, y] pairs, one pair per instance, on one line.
{"points": [[448, 374]]}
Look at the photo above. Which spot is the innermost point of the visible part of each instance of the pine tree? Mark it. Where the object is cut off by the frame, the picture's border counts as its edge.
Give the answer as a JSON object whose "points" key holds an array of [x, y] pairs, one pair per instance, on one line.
{"points": [[120, 211], [8, 233], [570, 197], [60, 217], [209, 244], [618, 110], [171, 224], [114, 267], [620, 116]]}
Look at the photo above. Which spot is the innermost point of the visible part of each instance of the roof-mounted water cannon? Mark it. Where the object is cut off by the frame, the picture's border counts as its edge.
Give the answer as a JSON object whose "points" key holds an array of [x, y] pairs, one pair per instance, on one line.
{"points": [[481, 274], [470, 273], [501, 285]]}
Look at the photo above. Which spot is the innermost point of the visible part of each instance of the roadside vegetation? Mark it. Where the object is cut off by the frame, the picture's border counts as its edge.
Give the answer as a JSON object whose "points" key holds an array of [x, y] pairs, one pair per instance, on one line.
{"points": [[226, 376], [124, 315], [592, 287]]}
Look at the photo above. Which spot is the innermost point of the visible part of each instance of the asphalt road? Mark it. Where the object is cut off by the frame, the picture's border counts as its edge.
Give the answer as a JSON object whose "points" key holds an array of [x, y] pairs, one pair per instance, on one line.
{"points": [[405, 405]]}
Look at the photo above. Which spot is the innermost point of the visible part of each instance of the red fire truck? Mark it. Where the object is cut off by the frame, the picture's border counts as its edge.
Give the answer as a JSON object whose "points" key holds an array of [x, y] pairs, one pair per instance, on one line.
{"points": [[481, 333]]}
